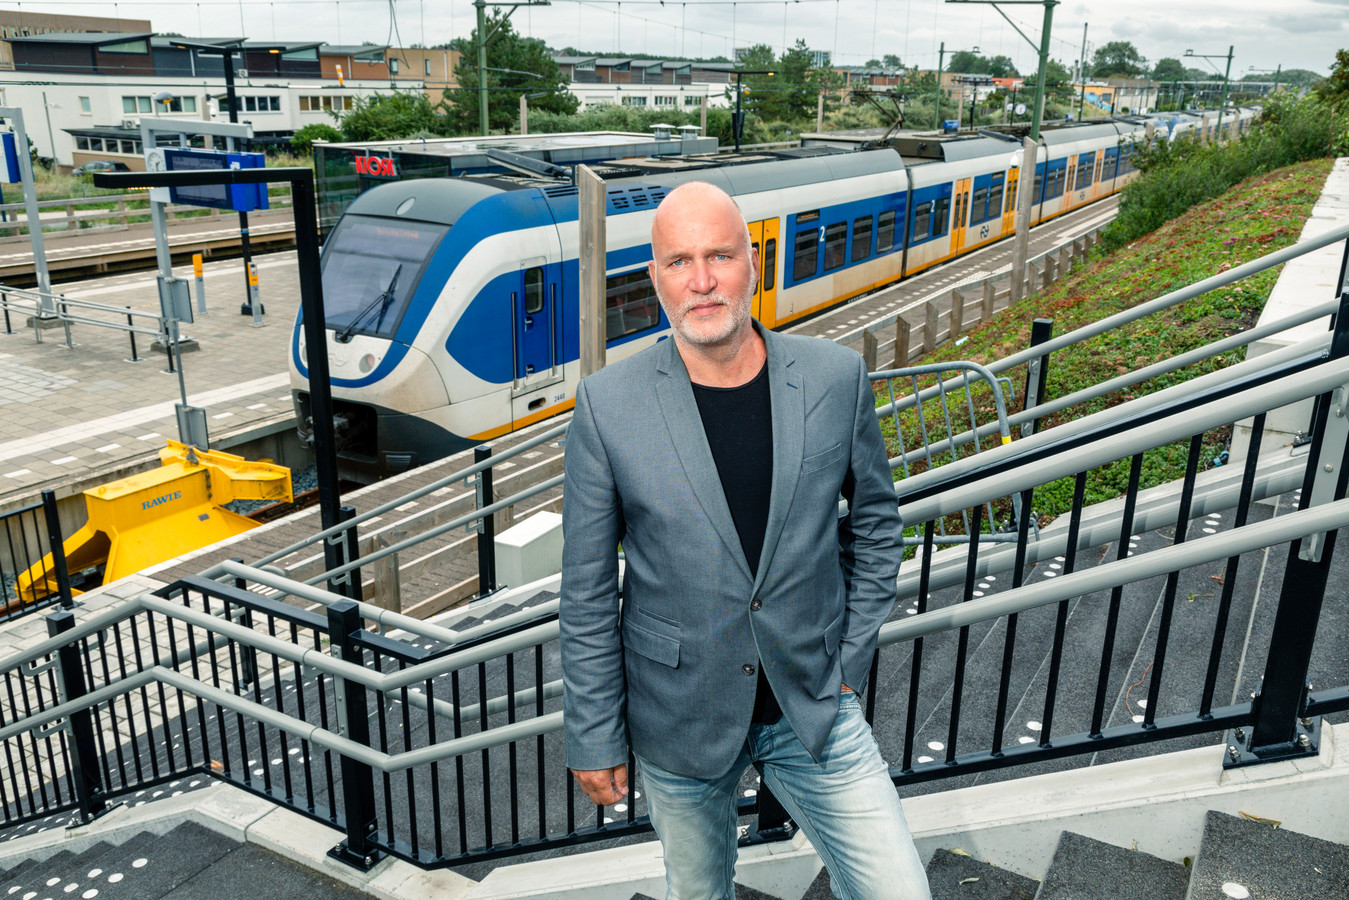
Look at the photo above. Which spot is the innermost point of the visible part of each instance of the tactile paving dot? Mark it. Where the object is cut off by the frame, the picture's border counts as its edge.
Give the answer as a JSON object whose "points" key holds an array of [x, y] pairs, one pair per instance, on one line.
{"points": [[1236, 891]]}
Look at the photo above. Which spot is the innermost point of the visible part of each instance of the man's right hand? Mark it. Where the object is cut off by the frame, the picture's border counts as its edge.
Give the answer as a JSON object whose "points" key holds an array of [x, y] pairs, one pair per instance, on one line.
{"points": [[604, 786]]}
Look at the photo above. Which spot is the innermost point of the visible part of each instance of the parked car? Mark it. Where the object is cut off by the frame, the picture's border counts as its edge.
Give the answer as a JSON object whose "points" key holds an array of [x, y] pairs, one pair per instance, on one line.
{"points": [[100, 165]]}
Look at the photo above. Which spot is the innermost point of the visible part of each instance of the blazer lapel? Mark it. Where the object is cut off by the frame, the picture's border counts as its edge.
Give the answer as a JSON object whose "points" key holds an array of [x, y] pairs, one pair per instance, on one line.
{"points": [[789, 430], [685, 425]]}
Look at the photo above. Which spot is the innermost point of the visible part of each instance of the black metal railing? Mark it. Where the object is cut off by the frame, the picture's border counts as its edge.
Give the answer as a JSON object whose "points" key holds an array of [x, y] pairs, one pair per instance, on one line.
{"points": [[33, 572]]}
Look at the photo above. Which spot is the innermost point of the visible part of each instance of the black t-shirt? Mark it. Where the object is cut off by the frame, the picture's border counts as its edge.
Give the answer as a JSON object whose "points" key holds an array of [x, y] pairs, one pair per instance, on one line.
{"points": [[738, 422]]}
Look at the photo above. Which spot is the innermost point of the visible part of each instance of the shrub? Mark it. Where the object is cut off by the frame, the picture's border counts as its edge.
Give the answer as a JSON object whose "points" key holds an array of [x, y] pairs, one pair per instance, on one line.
{"points": [[1181, 173], [303, 139]]}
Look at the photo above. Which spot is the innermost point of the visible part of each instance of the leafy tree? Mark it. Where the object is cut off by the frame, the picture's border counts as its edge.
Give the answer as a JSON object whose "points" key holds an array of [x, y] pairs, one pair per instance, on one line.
{"points": [[1300, 78], [872, 63], [891, 61], [302, 141], [515, 66], [1118, 58], [1335, 89], [968, 62], [388, 117], [1002, 67], [1058, 84], [1168, 69], [758, 100]]}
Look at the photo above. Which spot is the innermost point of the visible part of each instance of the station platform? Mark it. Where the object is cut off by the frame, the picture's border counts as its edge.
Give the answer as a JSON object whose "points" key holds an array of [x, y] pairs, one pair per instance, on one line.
{"points": [[70, 418]]}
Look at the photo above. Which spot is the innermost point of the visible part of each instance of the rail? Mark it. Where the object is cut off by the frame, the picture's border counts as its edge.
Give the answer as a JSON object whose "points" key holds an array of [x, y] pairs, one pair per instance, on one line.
{"points": [[44, 309], [28, 583], [443, 746], [102, 213]]}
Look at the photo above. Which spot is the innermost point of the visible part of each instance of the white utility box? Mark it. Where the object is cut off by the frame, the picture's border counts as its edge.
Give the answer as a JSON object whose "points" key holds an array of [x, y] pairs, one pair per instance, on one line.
{"points": [[530, 550]]}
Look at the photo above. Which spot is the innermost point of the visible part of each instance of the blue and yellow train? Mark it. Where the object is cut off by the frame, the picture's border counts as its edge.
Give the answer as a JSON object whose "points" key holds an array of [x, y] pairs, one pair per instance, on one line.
{"points": [[452, 306]]}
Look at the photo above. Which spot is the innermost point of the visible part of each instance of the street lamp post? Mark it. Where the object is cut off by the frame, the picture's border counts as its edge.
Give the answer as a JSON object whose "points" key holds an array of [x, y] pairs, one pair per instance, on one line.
{"points": [[1222, 103], [738, 124], [936, 94], [1042, 48]]}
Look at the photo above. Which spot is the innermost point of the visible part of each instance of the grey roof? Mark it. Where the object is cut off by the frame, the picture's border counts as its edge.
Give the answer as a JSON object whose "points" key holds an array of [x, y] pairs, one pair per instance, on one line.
{"points": [[352, 49], [1077, 133], [573, 60], [647, 63], [93, 38], [716, 66], [283, 46], [677, 64], [612, 60], [160, 40]]}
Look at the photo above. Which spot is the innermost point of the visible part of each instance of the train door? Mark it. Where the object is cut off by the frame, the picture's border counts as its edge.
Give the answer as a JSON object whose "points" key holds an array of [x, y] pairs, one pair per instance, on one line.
{"points": [[1069, 183], [535, 338], [1010, 201], [960, 219], [764, 236]]}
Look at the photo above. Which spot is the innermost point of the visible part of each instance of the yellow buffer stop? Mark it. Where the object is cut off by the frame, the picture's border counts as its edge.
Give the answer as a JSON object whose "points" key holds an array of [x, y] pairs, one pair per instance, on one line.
{"points": [[148, 518]]}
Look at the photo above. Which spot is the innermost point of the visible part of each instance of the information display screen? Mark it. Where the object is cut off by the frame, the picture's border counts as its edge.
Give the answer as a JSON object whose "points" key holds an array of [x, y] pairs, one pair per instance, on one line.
{"points": [[237, 197]]}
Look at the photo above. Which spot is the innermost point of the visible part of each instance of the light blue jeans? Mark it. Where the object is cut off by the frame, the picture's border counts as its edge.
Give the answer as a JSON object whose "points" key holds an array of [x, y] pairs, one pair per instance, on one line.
{"points": [[845, 803]]}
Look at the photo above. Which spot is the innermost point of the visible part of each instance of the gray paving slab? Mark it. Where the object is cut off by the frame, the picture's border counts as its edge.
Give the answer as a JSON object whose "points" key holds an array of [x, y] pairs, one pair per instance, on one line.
{"points": [[75, 413]]}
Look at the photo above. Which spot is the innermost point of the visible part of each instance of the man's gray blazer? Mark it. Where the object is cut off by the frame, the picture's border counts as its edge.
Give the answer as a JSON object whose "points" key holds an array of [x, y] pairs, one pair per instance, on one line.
{"points": [[673, 673]]}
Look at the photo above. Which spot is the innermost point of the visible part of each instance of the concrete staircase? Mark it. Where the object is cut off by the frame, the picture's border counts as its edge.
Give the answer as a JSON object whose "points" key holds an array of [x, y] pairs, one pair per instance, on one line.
{"points": [[1237, 858], [189, 862]]}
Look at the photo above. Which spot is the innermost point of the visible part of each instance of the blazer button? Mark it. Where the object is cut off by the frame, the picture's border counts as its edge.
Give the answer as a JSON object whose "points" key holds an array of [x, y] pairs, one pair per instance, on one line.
{"points": [[755, 605], [747, 669]]}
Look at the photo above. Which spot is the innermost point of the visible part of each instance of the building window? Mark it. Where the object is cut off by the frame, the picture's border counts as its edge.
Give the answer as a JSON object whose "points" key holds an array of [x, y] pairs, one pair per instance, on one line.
{"points": [[427, 64], [634, 101], [393, 67], [85, 108], [693, 101], [81, 142]]}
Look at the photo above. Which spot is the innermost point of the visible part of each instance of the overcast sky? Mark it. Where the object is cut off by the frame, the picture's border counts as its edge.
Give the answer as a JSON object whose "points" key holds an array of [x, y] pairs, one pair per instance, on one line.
{"points": [[1265, 33]]}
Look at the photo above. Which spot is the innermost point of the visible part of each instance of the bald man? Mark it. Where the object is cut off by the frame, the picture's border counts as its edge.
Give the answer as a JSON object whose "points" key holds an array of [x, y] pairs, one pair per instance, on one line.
{"points": [[749, 608]]}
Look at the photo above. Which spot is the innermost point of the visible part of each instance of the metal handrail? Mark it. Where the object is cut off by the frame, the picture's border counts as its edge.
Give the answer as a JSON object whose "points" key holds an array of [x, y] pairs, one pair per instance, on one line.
{"points": [[455, 477], [60, 303], [1285, 528]]}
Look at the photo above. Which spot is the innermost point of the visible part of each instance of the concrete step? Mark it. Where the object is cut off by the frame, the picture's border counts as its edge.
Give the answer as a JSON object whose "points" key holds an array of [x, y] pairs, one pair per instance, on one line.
{"points": [[1087, 869], [1239, 858], [33, 874], [955, 876]]}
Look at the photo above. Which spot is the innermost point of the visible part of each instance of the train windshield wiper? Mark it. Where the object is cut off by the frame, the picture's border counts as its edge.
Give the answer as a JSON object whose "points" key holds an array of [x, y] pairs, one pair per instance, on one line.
{"points": [[382, 302]]}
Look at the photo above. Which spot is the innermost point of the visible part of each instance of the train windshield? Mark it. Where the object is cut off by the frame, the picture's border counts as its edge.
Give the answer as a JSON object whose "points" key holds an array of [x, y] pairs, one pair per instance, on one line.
{"points": [[370, 269]]}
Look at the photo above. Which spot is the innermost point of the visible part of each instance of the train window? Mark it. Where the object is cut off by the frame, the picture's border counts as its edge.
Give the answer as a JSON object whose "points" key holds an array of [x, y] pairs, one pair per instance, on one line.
{"points": [[804, 258], [370, 269], [1012, 196], [630, 304], [1084, 173], [533, 291], [995, 197], [835, 245], [768, 264], [922, 221], [885, 232], [861, 238], [940, 215], [979, 206]]}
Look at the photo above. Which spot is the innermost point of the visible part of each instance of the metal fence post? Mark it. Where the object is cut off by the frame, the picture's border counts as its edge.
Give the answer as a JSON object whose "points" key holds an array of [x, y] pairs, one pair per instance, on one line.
{"points": [[1281, 729], [84, 767], [1037, 372], [4, 302], [486, 528], [340, 549], [131, 324], [56, 543], [358, 780]]}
